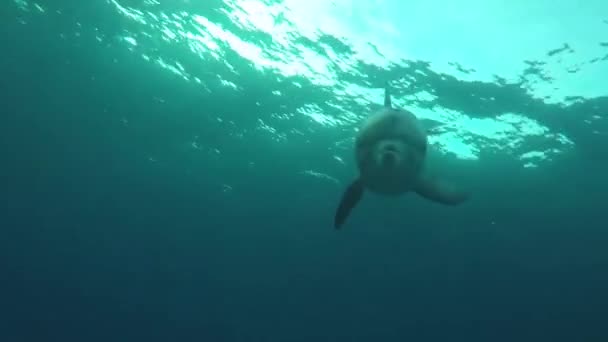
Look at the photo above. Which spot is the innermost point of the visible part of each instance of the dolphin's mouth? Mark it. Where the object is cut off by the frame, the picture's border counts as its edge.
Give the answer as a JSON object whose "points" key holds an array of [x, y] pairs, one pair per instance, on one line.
{"points": [[389, 159]]}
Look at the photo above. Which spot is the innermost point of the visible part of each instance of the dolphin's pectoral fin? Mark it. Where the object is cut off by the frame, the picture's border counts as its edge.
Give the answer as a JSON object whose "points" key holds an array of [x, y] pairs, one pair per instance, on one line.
{"points": [[349, 200], [440, 192], [430, 126]]}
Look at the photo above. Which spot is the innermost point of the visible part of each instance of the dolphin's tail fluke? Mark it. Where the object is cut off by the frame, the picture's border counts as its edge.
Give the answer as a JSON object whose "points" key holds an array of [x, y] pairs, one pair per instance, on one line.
{"points": [[387, 96]]}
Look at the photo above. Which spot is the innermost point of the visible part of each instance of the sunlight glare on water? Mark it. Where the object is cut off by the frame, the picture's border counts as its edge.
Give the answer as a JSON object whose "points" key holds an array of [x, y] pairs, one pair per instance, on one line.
{"points": [[552, 53], [375, 24]]}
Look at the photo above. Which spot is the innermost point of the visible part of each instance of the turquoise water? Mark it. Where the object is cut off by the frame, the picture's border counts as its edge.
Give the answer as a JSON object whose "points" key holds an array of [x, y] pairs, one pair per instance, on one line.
{"points": [[171, 171]]}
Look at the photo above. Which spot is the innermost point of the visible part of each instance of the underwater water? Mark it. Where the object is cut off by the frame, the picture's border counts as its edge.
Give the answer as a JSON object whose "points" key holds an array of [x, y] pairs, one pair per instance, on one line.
{"points": [[170, 171]]}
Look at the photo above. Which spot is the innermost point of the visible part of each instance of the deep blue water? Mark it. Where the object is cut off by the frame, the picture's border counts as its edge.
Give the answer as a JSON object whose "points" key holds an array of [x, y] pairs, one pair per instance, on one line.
{"points": [[170, 172]]}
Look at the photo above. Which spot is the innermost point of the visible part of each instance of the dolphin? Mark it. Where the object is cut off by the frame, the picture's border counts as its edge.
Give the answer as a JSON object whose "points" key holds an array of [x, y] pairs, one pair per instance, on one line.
{"points": [[391, 149]]}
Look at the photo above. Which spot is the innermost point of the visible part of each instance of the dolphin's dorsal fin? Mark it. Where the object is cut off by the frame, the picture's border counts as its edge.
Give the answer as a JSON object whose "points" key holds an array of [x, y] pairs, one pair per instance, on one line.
{"points": [[387, 96]]}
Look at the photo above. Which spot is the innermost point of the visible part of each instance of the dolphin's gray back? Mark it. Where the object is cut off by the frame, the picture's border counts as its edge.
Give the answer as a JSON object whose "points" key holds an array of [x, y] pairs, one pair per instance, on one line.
{"points": [[392, 123], [389, 123]]}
